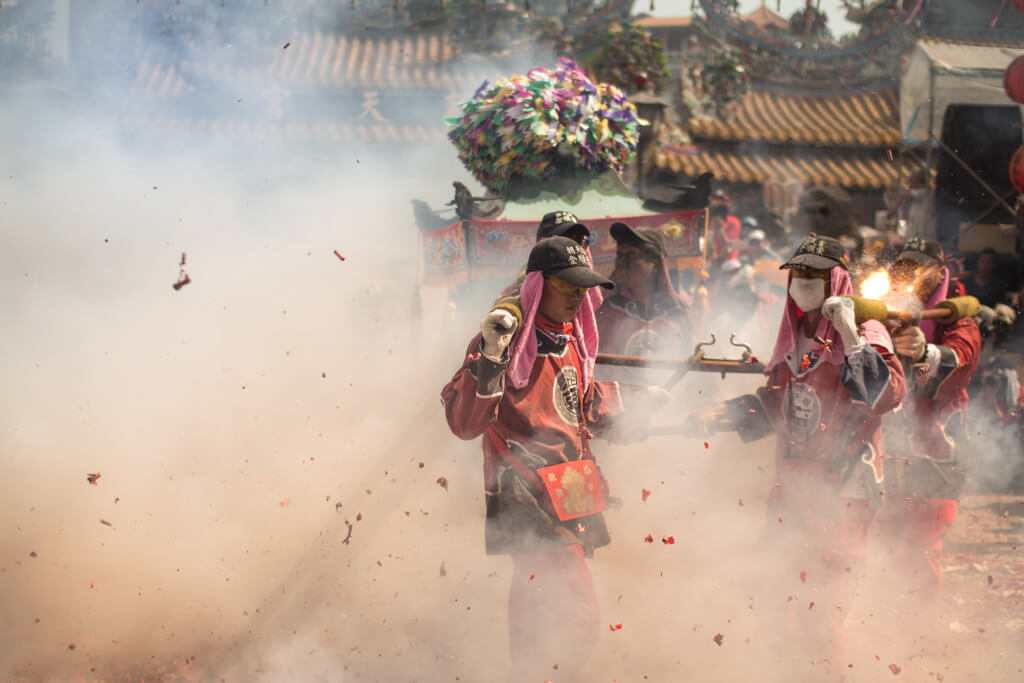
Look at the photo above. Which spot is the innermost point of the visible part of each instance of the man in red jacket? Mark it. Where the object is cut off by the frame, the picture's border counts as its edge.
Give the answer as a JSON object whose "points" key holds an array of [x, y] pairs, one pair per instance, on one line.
{"points": [[724, 231], [830, 381], [646, 316], [527, 385], [927, 439]]}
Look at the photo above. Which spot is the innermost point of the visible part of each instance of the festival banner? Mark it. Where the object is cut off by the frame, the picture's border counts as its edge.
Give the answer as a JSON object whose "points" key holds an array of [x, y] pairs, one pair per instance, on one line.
{"points": [[444, 256], [498, 249]]}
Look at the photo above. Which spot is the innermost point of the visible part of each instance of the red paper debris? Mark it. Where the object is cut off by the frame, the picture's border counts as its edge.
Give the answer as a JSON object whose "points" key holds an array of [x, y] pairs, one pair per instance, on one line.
{"points": [[284, 502], [803, 577], [649, 539], [103, 521], [643, 495], [359, 517], [71, 646], [668, 540], [531, 577], [895, 669], [718, 639], [33, 554], [91, 478], [615, 627], [705, 444], [810, 606], [443, 483], [338, 254]]}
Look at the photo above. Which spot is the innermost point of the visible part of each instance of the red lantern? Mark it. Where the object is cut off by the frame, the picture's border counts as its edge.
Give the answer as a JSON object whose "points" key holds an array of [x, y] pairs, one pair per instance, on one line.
{"points": [[1017, 168], [1013, 79]]}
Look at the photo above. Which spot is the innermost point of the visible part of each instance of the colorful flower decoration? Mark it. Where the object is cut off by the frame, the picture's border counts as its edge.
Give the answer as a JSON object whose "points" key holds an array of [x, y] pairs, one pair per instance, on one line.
{"points": [[530, 126]]}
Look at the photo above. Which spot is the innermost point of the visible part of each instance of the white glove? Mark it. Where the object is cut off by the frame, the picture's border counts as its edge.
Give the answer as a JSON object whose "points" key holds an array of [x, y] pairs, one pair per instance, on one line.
{"points": [[839, 310], [497, 329], [910, 342]]}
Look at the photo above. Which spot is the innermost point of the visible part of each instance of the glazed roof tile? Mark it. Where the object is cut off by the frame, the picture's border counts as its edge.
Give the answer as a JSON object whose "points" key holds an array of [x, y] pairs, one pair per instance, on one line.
{"points": [[850, 168], [229, 129], [421, 62], [867, 119]]}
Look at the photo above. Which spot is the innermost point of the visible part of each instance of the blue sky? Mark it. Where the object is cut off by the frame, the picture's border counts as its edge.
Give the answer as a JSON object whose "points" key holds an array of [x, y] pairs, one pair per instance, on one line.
{"points": [[671, 8]]}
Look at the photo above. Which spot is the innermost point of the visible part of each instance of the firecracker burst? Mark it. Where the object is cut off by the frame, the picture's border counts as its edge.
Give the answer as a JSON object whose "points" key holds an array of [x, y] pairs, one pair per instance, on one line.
{"points": [[530, 126]]}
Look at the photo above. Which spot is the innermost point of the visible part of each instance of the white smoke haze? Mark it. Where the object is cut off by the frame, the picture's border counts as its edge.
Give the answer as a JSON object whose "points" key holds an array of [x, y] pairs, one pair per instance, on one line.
{"points": [[242, 423]]}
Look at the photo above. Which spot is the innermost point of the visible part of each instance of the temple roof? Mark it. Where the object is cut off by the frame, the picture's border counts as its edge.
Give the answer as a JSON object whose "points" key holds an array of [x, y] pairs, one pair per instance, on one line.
{"points": [[731, 162], [422, 62], [866, 119], [227, 129]]}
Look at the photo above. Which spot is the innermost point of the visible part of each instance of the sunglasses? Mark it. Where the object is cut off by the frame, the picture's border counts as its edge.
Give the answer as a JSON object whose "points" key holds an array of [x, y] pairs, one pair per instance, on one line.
{"points": [[564, 287], [811, 274]]}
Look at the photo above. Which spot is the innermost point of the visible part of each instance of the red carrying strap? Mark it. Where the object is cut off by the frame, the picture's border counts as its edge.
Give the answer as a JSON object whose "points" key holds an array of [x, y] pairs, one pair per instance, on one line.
{"points": [[578, 494], [513, 461]]}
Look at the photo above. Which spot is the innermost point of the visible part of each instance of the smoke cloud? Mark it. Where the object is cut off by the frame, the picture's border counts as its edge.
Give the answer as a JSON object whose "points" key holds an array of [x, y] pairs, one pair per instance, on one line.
{"points": [[275, 495]]}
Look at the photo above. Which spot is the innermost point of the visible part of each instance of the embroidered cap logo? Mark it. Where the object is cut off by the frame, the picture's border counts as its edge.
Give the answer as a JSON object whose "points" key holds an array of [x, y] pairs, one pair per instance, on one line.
{"points": [[577, 255], [564, 217]]}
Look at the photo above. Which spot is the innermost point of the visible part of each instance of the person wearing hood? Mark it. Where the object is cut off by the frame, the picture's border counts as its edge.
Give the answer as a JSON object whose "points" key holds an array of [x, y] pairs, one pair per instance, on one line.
{"points": [[527, 386], [830, 381], [645, 316], [927, 440]]}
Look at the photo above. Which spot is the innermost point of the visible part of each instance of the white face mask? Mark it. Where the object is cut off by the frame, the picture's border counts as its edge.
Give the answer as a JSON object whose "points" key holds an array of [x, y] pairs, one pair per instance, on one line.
{"points": [[808, 294]]}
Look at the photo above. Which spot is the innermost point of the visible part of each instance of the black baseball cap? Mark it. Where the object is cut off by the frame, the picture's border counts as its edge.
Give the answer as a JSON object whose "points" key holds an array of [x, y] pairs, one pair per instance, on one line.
{"points": [[819, 253], [563, 258], [642, 236], [558, 224], [921, 250]]}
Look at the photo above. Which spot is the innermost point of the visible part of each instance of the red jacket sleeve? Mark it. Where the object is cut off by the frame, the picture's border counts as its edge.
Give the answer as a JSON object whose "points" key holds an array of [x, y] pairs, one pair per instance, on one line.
{"points": [[959, 346], [471, 397], [873, 376], [601, 404]]}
